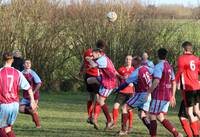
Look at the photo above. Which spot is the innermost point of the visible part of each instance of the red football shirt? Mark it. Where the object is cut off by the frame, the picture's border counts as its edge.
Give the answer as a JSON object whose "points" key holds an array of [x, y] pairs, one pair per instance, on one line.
{"points": [[11, 80], [90, 71], [125, 72], [188, 71]]}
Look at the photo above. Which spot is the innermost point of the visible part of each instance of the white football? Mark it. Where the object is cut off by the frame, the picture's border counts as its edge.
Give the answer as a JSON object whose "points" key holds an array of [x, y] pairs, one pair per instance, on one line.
{"points": [[111, 16]]}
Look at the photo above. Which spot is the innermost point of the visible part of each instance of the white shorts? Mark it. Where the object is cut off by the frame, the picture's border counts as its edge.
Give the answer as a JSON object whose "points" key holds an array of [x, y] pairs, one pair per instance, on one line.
{"points": [[139, 101], [104, 92], [159, 106]]}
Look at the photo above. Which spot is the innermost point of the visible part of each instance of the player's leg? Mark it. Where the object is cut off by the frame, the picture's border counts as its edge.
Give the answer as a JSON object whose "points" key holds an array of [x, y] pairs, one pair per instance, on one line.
{"points": [[35, 117], [124, 120], [104, 107], [11, 111], [166, 123], [90, 103], [184, 120], [196, 106], [143, 116], [115, 113], [190, 102], [153, 125], [97, 111], [92, 80], [143, 111]]}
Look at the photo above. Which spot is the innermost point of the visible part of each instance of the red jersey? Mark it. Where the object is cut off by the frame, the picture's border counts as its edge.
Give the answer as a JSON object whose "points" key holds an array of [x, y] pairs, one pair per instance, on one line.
{"points": [[188, 71], [90, 71], [164, 72], [125, 72], [11, 80], [33, 80]]}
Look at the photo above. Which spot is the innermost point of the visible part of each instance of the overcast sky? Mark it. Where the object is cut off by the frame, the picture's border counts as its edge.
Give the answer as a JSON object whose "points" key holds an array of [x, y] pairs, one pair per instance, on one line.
{"points": [[192, 3]]}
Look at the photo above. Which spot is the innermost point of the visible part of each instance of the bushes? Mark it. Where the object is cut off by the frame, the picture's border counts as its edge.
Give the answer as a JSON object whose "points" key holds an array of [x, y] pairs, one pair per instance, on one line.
{"points": [[54, 36]]}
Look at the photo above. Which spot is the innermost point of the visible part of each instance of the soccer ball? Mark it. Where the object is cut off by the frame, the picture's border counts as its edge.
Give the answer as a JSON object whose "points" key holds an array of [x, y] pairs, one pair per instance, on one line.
{"points": [[111, 16]]}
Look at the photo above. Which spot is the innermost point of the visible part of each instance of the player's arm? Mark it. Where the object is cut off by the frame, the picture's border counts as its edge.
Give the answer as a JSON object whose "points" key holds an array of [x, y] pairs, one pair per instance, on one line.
{"points": [[180, 69], [157, 74], [173, 98], [36, 80], [92, 63], [132, 79]]}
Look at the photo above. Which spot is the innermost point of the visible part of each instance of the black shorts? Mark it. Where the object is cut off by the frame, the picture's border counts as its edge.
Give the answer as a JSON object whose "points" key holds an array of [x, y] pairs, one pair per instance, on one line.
{"points": [[191, 98], [91, 87], [182, 110], [122, 98]]}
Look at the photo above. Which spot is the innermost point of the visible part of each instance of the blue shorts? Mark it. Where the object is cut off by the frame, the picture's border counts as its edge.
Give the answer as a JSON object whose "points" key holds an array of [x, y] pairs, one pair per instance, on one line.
{"points": [[104, 92], [8, 114], [139, 101], [25, 102], [159, 106]]}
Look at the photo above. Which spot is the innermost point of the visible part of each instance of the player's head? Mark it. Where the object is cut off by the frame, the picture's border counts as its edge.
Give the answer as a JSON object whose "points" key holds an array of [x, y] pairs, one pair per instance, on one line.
{"points": [[17, 53], [8, 57], [145, 56], [137, 61], [187, 46], [128, 60], [101, 44], [96, 53], [162, 53], [27, 64]]}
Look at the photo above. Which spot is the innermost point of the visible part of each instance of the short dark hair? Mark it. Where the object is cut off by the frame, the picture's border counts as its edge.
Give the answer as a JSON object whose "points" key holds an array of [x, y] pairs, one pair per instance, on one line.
{"points": [[187, 46], [27, 60], [138, 59], [97, 50], [101, 44], [7, 56], [162, 53]]}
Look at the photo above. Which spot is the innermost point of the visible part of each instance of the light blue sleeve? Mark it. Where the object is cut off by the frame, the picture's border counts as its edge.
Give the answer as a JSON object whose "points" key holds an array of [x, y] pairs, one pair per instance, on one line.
{"points": [[158, 69], [150, 64], [173, 76], [23, 83], [102, 62], [36, 77], [133, 78]]}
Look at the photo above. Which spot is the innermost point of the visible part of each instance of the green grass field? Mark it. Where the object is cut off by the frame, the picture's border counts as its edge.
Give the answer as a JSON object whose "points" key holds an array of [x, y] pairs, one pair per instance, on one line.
{"points": [[64, 114]]}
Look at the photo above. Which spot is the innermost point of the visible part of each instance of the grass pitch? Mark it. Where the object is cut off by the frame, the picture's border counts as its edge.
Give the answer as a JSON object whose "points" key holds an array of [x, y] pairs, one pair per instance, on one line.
{"points": [[63, 114]]}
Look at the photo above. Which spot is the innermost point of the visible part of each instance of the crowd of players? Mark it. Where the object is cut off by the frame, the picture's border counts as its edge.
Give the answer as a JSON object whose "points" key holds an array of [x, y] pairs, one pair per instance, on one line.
{"points": [[11, 81], [138, 84]]}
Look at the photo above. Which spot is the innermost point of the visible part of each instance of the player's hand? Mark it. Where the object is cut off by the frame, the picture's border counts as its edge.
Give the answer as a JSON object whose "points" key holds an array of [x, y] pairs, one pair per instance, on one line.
{"points": [[130, 85], [33, 106], [173, 102]]}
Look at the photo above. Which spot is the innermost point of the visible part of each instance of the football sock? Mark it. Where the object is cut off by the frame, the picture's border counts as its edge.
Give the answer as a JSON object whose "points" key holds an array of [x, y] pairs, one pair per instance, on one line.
{"points": [[106, 113], [36, 119], [3, 132], [195, 128], [115, 115], [89, 109], [186, 127], [146, 122], [130, 112], [169, 127], [153, 128], [97, 111], [124, 121]]}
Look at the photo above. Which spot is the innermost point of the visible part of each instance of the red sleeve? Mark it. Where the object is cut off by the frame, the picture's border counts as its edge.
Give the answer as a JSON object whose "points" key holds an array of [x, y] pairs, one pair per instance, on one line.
{"points": [[180, 69]]}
